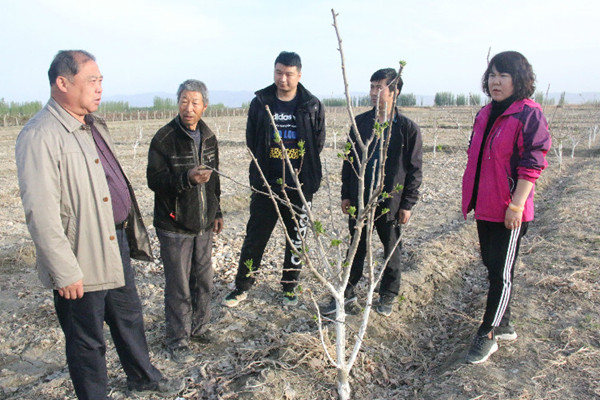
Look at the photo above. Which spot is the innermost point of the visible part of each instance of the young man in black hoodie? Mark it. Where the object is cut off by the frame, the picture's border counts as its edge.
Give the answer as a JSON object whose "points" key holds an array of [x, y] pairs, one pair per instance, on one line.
{"points": [[300, 120], [401, 181]]}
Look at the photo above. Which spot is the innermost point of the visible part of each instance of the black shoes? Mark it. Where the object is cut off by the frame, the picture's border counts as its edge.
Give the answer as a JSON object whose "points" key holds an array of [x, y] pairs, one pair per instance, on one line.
{"points": [[166, 387], [350, 306], [385, 305], [181, 354], [205, 337]]}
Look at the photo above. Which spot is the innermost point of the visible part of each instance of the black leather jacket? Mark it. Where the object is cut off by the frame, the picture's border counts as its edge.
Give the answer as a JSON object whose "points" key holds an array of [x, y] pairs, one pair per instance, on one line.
{"points": [[310, 123], [180, 206]]}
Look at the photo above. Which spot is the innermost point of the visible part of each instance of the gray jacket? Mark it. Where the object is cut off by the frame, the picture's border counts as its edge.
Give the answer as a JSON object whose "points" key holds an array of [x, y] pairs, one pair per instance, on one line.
{"points": [[67, 203]]}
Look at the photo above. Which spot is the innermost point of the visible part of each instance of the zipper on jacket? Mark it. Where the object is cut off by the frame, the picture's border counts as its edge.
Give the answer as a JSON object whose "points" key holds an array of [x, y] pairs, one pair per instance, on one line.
{"points": [[492, 141], [201, 187]]}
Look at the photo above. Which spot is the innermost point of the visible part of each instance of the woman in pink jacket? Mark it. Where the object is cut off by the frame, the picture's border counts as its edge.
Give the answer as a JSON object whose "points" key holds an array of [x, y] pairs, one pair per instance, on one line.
{"points": [[506, 155]]}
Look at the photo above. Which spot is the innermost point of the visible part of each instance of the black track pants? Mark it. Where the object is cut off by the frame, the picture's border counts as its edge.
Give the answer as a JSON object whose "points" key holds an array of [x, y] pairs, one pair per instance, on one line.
{"points": [[499, 250]]}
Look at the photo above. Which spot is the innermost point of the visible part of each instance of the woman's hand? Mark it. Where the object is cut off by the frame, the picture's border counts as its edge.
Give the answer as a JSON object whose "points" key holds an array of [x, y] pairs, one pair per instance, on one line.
{"points": [[512, 219], [514, 213]]}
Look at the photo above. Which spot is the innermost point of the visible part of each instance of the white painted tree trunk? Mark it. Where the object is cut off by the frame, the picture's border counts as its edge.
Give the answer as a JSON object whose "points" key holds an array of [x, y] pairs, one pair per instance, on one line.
{"points": [[340, 347]]}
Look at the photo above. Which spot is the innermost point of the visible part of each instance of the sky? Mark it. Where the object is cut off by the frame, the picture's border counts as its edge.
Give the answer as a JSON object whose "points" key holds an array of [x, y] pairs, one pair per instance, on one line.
{"points": [[152, 46]]}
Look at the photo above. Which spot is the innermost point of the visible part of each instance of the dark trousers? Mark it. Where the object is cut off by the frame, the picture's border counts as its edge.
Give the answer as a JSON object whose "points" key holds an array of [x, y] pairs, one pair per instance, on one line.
{"points": [[389, 232], [188, 284], [263, 217], [499, 251], [82, 322]]}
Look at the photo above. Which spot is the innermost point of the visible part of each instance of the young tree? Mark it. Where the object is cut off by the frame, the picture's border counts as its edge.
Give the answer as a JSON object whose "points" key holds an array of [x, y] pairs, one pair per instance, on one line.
{"points": [[327, 260], [327, 253]]}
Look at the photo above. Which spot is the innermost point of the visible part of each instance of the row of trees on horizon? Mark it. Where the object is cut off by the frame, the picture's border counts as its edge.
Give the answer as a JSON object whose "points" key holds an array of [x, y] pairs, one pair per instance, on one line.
{"points": [[25, 110]]}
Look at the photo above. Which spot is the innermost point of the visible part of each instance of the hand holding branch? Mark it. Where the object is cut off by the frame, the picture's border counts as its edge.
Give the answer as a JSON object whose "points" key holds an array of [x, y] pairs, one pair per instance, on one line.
{"points": [[199, 174]]}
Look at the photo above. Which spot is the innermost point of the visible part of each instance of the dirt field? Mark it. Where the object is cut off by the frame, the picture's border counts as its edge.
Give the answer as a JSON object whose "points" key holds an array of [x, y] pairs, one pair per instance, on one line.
{"points": [[265, 351]]}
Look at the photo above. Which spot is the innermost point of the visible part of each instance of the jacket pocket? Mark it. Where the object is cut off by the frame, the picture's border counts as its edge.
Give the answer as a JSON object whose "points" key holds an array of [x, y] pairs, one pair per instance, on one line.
{"points": [[209, 156], [70, 227], [511, 183]]}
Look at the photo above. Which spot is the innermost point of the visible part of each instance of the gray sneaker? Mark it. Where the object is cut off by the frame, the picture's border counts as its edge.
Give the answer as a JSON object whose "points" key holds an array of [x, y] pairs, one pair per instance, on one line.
{"points": [[234, 298], [290, 299], [350, 305], [181, 355], [481, 349], [505, 332], [386, 305]]}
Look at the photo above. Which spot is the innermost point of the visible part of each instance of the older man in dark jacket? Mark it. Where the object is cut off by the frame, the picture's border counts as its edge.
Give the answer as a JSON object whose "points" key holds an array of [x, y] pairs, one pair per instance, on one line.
{"points": [[181, 160], [402, 178]]}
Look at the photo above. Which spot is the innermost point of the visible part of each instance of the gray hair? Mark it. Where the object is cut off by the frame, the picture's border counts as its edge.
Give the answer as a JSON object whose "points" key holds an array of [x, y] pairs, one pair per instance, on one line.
{"points": [[66, 63], [193, 85]]}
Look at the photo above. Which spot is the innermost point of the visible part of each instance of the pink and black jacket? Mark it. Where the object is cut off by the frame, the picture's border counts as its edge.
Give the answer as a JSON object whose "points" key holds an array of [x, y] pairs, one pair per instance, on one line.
{"points": [[515, 149]]}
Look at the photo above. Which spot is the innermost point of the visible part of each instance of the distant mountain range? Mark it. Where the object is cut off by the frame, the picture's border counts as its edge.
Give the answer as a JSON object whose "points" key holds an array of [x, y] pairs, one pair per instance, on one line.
{"points": [[238, 98], [228, 98]]}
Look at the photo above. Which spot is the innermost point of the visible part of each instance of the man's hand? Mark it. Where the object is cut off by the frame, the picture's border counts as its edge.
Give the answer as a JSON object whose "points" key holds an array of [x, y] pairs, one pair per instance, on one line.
{"points": [[345, 205], [218, 225], [73, 291], [199, 174], [403, 216]]}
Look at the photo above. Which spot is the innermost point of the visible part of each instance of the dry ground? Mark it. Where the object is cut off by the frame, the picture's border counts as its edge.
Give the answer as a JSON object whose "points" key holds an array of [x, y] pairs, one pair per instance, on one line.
{"points": [[265, 351]]}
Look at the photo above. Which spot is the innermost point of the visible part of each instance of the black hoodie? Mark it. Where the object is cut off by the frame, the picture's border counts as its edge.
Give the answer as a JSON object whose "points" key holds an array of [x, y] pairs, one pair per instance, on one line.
{"points": [[310, 121]]}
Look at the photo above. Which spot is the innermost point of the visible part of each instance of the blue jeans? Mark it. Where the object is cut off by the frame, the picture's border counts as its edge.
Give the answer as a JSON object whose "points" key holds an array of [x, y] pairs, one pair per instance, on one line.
{"points": [[82, 321]]}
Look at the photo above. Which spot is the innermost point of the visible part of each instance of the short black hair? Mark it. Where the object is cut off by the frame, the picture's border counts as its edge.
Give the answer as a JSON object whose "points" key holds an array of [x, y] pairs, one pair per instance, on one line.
{"points": [[66, 63], [521, 72], [389, 74], [289, 59]]}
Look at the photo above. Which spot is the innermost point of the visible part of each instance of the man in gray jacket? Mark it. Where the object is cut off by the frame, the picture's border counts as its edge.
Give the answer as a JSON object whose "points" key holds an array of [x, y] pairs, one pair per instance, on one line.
{"points": [[85, 223]]}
